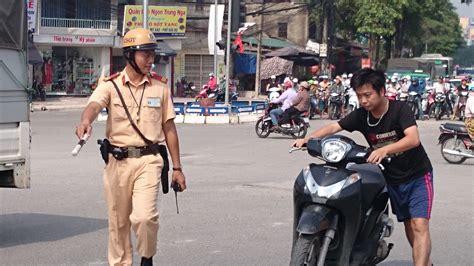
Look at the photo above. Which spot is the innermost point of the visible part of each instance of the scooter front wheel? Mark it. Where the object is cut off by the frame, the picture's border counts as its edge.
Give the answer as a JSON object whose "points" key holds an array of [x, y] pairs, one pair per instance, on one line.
{"points": [[454, 145], [306, 250], [262, 128]]}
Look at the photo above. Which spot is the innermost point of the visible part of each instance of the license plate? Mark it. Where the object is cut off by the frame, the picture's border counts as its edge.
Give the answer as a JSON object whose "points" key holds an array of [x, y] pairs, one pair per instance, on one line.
{"points": [[306, 120]]}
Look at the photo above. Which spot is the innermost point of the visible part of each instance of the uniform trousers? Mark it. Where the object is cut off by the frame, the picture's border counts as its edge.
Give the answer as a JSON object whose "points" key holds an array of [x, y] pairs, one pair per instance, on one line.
{"points": [[131, 190]]}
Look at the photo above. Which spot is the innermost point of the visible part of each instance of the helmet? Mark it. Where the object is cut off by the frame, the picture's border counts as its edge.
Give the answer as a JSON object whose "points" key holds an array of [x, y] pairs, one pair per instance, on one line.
{"points": [[139, 39], [350, 75], [295, 80], [344, 76], [273, 77], [211, 74], [393, 79], [310, 82], [288, 84]]}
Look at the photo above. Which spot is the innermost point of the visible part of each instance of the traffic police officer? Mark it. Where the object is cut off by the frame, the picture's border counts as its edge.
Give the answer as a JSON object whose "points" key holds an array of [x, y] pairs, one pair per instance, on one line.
{"points": [[132, 183]]}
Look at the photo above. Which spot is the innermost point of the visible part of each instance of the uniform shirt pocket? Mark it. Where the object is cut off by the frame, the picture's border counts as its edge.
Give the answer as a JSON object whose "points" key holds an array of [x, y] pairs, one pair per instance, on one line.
{"points": [[118, 111]]}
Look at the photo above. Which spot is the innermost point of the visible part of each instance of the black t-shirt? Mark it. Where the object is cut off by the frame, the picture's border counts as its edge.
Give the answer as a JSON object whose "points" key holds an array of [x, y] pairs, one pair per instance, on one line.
{"points": [[403, 166]]}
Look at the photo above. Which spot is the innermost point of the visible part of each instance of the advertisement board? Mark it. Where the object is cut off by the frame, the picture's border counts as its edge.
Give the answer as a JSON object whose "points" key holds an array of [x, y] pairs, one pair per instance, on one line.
{"points": [[163, 21]]}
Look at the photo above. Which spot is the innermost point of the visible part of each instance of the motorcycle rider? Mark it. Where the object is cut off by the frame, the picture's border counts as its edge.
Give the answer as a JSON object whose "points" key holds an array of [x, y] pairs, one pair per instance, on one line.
{"points": [[212, 83], [462, 87], [287, 99], [300, 103], [416, 87], [272, 84], [469, 114], [338, 88], [390, 129]]}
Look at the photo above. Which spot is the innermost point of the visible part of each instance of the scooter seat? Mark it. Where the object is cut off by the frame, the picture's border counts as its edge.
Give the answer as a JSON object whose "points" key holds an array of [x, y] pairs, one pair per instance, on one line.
{"points": [[456, 127]]}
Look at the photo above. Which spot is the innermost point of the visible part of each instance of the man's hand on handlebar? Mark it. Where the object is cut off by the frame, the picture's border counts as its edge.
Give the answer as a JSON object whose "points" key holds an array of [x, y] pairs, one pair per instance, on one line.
{"points": [[376, 156], [299, 143]]}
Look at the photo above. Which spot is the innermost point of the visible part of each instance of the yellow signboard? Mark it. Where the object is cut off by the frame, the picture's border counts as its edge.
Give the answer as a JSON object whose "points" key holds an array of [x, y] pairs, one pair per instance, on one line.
{"points": [[164, 21]]}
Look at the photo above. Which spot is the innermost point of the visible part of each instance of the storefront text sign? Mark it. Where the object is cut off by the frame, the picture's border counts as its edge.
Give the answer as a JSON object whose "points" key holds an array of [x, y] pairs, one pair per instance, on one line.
{"points": [[164, 21], [74, 39], [31, 13]]}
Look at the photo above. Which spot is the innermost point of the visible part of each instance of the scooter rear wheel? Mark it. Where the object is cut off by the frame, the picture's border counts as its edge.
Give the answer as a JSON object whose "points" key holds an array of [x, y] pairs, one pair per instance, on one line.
{"points": [[305, 250]]}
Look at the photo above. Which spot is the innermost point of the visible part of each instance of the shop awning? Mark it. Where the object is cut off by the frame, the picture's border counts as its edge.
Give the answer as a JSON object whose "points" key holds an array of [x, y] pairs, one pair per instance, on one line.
{"points": [[164, 49], [268, 42]]}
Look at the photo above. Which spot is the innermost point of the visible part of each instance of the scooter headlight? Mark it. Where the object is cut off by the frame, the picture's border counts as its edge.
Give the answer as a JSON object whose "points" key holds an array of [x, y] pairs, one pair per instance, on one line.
{"points": [[327, 191], [334, 150]]}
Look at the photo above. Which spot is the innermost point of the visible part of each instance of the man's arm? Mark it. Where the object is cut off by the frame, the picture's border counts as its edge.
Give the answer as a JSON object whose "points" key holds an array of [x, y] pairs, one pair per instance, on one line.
{"points": [[172, 141], [410, 141], [88, 116], [320, 133]]}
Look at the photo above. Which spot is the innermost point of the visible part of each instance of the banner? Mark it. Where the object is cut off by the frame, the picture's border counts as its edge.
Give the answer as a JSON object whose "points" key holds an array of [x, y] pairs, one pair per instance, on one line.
{"points": [[211, 43], [31, 13], [163, 21]]}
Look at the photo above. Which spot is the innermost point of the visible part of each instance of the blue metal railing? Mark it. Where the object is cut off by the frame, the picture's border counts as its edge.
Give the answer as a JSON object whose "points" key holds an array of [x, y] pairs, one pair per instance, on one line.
{"points": [[75, 23]]}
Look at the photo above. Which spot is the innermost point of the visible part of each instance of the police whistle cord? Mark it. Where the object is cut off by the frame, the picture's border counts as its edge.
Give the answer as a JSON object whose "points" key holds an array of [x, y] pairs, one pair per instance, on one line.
{"points": [[79, 145]]}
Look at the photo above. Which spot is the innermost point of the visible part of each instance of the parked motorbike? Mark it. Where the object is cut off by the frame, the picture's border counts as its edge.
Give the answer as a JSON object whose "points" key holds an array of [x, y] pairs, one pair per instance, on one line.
{"points": [[403, 96], [221, 95], [335, 103], [341, 212], [189, 90], [313, 109], [463, 95], [391, 96], [353, 101], [427, 102], [440, 106], [456, 145], [298, 125], [412, 102]]}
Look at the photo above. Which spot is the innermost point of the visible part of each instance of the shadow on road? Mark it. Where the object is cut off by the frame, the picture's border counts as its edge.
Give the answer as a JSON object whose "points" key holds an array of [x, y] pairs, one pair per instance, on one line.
{"points": [[25, 228]]}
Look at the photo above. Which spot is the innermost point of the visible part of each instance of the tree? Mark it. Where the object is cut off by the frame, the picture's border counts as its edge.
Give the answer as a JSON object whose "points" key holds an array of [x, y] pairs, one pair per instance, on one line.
{"points": [[377, 20]]}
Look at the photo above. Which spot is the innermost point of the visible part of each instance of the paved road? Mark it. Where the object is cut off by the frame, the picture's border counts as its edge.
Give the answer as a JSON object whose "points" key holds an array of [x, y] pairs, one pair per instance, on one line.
{"points": [[237, 211]]}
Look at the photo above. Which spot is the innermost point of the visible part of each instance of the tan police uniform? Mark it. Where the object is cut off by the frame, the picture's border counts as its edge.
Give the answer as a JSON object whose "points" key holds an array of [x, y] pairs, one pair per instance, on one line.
{"points": [[131, 185]]}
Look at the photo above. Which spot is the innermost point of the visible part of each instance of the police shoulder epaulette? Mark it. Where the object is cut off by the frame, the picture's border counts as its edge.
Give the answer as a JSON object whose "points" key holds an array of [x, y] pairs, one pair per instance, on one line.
{"points": [[112, 76], [159, 78]]}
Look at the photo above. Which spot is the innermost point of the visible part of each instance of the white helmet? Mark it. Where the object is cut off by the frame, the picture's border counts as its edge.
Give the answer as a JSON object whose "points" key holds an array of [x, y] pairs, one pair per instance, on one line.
{"points": [[273, 77], [350, 75], [295, 80], [344, 76], [211, 74]]}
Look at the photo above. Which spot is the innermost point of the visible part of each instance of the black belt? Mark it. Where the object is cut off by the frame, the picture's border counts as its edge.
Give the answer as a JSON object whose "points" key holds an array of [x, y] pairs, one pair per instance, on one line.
{"points": [[121, 153]]}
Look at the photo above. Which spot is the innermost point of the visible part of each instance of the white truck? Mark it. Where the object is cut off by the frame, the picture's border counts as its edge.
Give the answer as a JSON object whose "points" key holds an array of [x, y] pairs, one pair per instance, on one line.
{"points": [[14, 103]]}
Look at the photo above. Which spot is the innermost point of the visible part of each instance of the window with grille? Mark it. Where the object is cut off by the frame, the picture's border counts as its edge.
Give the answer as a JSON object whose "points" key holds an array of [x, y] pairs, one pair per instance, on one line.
{"points": [[283, 30]]}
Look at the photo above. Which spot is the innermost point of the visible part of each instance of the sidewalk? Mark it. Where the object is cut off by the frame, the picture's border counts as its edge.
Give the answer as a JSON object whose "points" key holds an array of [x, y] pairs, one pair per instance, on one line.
{"points": [[79, 103]]}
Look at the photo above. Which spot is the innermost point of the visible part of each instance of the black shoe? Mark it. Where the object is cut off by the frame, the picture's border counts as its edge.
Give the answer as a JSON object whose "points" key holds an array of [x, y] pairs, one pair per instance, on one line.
{"points": [[147, 261]]}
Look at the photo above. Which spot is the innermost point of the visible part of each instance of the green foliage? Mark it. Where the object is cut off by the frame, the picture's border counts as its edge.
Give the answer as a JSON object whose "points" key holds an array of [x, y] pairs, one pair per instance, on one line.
{"points": [[378, 17], [414, 24]]}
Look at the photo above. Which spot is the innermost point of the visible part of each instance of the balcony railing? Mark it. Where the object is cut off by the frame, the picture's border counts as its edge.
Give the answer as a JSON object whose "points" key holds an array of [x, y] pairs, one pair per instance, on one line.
{"points": [[75, 23]]}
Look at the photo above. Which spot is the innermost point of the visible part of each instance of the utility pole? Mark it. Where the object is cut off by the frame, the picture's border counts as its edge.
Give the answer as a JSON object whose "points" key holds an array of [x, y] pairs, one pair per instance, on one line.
{"points": [[227, 51], [259, 53], [145, 14], [215, 40], [324, 40]]}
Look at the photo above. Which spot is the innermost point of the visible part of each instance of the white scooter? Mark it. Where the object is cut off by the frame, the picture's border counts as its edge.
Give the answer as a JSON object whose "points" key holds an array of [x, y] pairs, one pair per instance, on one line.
{"points": [[274, 93]]}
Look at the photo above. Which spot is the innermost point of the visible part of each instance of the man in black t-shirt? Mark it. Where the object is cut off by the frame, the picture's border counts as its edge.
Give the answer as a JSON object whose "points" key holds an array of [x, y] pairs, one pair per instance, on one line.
{"points": [[390, 129]]}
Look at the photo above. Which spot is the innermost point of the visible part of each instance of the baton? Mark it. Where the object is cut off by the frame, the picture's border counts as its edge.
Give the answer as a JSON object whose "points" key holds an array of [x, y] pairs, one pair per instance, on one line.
{"points": [[79, 145]]}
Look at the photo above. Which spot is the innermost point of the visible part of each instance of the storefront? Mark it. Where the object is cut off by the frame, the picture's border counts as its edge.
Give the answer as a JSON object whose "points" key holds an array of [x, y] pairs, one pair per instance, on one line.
{"points": [[73, 64]]}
